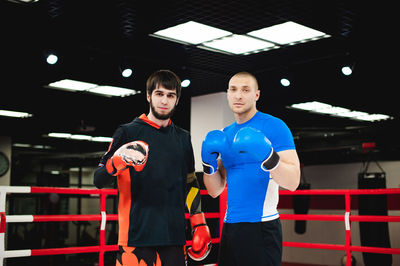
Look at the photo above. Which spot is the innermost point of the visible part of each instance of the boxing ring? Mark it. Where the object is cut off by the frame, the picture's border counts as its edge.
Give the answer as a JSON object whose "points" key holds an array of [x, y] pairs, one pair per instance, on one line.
{"points": [[103, 217]]}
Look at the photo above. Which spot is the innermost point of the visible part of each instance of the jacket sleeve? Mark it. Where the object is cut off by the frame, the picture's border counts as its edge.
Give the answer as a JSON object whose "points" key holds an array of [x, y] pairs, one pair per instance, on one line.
{"points": [[193, 198], [101, 177]]}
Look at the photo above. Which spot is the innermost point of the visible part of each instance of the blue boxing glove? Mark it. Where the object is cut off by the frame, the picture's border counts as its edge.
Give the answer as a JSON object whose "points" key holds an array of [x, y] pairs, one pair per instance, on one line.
{"points": [[255, 143], [213, 145]]}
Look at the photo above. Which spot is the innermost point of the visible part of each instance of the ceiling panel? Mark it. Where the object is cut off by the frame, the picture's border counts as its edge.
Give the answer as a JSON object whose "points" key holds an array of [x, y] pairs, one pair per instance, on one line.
{"points": [[93, 38]]}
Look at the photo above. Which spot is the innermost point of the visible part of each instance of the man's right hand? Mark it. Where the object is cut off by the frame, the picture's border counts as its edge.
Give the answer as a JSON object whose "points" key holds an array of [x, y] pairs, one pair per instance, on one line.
{"points": [[133, 153], [213, 145]]}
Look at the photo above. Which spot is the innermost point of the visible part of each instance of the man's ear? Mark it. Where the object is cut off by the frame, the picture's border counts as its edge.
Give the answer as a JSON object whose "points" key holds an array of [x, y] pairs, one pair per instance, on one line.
{"points": [[148, 97], [257, 94], [177, 100]]}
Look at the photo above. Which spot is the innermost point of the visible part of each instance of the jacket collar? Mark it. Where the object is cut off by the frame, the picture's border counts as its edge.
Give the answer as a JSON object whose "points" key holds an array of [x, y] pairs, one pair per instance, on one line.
{"points": [[145, 119]]}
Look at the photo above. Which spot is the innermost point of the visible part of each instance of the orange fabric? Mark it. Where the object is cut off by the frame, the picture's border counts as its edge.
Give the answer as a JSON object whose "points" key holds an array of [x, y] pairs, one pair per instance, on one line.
{"points": [[144, 118], [124, 206], [129, 258]]}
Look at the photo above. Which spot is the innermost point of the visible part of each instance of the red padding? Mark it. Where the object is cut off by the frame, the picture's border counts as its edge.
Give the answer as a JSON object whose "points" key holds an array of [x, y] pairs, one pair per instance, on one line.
{"points": [[73, 217]]}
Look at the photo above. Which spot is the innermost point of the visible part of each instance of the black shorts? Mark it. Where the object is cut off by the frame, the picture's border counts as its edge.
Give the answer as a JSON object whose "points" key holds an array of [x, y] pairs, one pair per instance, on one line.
{"points": [[154, 256], [255, 244]]}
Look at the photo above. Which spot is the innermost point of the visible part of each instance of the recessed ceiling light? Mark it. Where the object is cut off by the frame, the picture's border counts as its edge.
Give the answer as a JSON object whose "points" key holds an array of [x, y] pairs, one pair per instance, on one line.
{"points": [[185, 83], [346, 70], [287, 33], [59, 135], [79, 137], [323, 108], [51, 59], [191, 32], [101, 139], [72, 85], [15, 114], [238, 44], [112, 91], [285, 82]]}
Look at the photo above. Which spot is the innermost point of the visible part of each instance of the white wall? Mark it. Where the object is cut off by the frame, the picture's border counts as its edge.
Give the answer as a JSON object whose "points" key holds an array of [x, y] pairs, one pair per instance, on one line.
{"points": [[208, 112]]}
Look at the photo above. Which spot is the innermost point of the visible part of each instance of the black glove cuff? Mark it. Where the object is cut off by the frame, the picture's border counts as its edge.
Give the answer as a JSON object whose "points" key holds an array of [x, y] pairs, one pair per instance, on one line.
{"points": [[208, 169], [271, 162]]}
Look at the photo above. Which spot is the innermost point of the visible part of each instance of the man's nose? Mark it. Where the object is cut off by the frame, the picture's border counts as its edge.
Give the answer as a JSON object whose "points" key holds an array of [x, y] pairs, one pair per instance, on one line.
{"points": [[164, 100], [238, 94]]}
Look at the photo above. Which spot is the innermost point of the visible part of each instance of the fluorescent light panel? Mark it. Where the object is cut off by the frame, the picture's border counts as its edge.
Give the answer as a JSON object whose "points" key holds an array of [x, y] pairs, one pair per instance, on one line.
{"points": [[112, 91], [191, 32], [15, 114], [79, 137], [74, 85], [219, 40], [323, 108], [25, 145], [288, 33], [239, 44]]}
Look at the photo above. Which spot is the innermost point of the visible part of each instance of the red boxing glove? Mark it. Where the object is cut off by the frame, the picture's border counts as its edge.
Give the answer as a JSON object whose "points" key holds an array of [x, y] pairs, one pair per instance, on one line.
{"points": [[133, 153], [201, 242]]}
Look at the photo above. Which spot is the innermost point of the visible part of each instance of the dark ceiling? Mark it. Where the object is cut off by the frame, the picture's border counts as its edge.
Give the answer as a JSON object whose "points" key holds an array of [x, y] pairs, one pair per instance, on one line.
{"points": [[92, 38]]}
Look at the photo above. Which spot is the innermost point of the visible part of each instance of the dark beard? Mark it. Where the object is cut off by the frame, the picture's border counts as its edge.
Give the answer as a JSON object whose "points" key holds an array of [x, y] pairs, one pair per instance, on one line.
{"points": [[160, 116]]}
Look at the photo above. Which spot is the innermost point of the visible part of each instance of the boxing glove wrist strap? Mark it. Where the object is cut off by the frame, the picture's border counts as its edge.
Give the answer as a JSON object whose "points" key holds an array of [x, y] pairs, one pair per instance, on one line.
{"points": [[197, 220], [271, 162], [111, 169], [208, 169]]}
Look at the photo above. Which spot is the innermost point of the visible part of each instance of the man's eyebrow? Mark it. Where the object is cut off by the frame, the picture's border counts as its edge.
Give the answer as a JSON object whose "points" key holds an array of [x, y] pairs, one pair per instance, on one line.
{"points": [[233, 86], [167, 92]]}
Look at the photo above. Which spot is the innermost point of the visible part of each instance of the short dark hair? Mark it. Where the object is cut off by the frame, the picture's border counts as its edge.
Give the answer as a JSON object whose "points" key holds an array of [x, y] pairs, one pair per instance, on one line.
{"points": [[245, 73], [165, 78]]}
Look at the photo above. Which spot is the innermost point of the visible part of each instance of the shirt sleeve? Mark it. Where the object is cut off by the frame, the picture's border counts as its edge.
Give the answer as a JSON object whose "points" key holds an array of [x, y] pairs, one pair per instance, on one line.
{"points": [[280, 135]]}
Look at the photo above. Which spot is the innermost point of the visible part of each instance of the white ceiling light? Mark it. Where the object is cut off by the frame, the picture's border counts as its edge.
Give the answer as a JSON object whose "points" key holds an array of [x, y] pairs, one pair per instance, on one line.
{"points": [[219, 40], [25, 145], [238, 44], [346, 70], [112, 91], [101, 139], [374, 117], [285, 82], [79, 137], [311, 106], [74, 85], [127, 72], [288, 33], [51, 59], [15, 114], [191, 32], [323, 108], [59, 135], [185, 83]]}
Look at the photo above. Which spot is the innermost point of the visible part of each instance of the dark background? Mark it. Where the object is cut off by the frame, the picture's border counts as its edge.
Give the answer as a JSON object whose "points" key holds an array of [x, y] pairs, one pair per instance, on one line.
{"points": [[93, 38]]}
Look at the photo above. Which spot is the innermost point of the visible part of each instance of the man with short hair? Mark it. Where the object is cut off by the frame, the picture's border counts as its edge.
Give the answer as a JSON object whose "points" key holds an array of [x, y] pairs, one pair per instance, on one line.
{"points": [[152, 161], [253, 157]]}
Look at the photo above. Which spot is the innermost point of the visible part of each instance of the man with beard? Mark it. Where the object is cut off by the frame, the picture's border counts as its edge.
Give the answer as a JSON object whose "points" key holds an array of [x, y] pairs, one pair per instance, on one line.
{"points": [[152, 161]]}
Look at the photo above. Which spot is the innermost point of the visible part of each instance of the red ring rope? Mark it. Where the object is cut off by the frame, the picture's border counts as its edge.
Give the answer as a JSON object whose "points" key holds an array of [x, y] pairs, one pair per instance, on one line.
{"points": [[103, 217]]}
